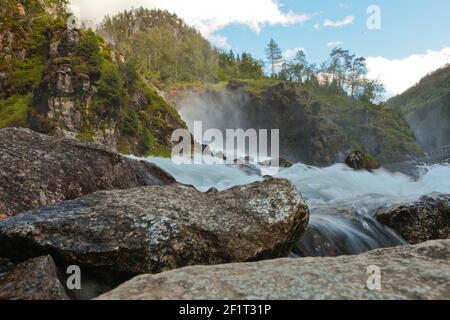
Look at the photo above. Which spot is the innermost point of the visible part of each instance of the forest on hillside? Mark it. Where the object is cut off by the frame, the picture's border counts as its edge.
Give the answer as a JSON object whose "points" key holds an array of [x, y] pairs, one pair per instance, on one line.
{"points": [[167, 50]]}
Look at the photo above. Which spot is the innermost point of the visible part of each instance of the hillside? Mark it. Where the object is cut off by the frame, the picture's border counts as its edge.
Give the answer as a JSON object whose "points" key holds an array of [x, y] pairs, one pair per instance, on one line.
{"points": [[315, 127], [70, 82], [426, 106], [167, 50]]}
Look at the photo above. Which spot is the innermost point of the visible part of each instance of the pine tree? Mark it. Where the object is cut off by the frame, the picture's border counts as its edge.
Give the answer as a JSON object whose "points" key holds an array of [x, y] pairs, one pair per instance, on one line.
{"points": [[273, 53]]}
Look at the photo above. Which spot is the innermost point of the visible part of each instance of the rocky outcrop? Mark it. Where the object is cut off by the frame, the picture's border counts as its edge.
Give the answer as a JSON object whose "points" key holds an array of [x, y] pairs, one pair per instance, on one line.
{"points": [[38, 170], [426, 219], [360, 161], [410, 272], [69, 82], [314, 128], [154, 228], [35, 279]]}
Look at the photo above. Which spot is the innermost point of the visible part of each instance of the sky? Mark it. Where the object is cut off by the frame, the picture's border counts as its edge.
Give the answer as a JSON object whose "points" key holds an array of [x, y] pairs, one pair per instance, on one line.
{"points": [[402, 40]]}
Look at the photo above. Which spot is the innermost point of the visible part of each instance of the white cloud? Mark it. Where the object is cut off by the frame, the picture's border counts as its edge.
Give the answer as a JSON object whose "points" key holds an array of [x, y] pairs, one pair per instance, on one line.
{"points": [[208, 16], [348, 20], [335, 44], [400, 74], [219, 41], [290, 53]]}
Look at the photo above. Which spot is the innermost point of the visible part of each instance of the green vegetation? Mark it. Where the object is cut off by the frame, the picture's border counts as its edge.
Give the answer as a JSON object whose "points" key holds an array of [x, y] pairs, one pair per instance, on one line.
{"points": [[319, 128], [274, 55], [431, 90], [113, 90], [13, 111], [71, 80], [426, 106], [169, 51], [111, 95]]}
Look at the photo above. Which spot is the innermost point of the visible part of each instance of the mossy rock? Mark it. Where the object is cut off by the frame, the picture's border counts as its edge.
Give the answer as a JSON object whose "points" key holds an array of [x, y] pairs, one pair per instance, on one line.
{"points": [[361, 161]]}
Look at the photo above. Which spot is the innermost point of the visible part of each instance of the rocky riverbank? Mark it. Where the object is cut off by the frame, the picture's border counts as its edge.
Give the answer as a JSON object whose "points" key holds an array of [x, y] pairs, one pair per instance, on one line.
{"points": [[68, 202], [410, 272], [38, 170]]}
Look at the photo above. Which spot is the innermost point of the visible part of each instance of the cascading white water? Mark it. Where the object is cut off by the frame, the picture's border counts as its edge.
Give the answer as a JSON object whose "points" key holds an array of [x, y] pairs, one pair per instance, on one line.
{"points": [[342, 201]]}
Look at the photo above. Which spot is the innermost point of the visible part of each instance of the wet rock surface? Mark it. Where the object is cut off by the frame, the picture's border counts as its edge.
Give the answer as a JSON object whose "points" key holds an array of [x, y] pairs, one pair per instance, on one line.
{"points": [[409, 272], [34, 279], [38, 170], [425, 219], [282, 163], [360, 161], [156, 228], [341, 228]]}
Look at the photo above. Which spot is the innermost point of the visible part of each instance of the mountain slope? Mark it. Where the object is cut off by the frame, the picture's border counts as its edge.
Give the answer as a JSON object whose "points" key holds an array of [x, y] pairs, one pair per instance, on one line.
{"points": [[316, 128], [426, 106], [166, 49], [70, 82]]}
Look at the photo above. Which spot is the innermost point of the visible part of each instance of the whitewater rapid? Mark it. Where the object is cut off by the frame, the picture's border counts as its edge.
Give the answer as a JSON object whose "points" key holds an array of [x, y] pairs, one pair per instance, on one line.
{"points": [[342, 201]]}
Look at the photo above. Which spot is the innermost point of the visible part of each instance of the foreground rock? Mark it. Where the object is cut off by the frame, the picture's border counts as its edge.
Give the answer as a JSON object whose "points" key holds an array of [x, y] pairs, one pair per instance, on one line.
{"points": [[411, 272], [151, 229], [5, 265], [35, 279], [360, 161], [426, 219], [38, 170]]}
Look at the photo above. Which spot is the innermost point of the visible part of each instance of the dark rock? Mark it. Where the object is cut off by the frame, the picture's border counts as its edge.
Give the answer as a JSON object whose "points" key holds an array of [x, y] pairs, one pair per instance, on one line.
{"points": [[220, 155], [360, 161], [154, 228], [282, 163], [426, 219], [248, 168], [38, 170], [35, 279], [409, 272], [5, 266], [235, 85]]}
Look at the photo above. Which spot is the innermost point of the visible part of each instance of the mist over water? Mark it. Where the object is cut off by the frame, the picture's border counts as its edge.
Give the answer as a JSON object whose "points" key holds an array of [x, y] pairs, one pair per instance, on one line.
{"points": [[342, 201], [219, 109]]}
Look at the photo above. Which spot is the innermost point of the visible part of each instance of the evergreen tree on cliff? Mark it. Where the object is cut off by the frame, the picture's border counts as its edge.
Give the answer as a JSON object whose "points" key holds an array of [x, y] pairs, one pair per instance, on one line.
{"points": [[273, 53]]}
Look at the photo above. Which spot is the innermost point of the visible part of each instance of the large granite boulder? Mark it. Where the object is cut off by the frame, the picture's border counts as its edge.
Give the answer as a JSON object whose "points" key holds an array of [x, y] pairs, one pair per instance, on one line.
{"points": [[156, 228], [409, 272], [38, 170], [425, 219], [34, 279]]}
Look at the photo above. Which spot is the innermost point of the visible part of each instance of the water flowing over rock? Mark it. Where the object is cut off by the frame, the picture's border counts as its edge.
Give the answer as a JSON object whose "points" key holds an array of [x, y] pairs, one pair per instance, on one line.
{"points": [[335, 230], [157, 228], [35, 279], [38, 170], [426, 219], [410, 272]]}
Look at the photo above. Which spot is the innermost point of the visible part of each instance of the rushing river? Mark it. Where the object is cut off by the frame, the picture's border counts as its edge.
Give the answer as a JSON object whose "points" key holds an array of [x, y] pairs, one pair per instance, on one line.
{"points": [[342, 201]]}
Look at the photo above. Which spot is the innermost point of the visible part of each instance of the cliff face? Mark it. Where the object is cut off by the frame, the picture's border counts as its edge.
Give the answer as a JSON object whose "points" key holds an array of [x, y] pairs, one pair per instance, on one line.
{"points": [[69, 82], [426, 107], [315, 128]]}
